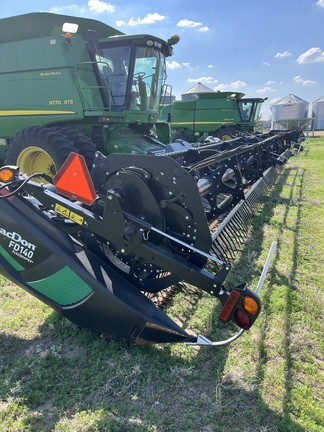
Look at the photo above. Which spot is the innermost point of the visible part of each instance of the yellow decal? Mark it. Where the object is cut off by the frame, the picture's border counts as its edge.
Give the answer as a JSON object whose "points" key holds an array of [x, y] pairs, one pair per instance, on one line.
{"points": [[197, 123], [6, 113], [62, 210], [76, 218], [68, 214]]}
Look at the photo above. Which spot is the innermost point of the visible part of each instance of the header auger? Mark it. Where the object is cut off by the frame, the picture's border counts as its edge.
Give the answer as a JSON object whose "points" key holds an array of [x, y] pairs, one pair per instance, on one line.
{"points": [[92, 245]]}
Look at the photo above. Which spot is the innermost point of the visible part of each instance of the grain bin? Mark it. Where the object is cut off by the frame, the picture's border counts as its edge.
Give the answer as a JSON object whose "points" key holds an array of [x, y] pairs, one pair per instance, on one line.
{"points": [[290, 112], [318, 113], [197, 88]]}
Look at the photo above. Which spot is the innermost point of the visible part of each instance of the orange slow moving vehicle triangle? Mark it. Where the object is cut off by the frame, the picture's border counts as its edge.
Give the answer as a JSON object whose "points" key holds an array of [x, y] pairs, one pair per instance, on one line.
{"points": [[73, 180]]}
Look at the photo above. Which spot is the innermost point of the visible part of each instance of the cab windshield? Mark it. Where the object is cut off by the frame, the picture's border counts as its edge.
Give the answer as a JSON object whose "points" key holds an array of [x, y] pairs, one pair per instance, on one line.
{"points": [[249, 110], [131, 77]]}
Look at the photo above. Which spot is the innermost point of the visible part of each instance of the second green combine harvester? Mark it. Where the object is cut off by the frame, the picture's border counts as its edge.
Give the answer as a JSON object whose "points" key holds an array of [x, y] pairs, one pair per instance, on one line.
{"points": [[217, 114]]}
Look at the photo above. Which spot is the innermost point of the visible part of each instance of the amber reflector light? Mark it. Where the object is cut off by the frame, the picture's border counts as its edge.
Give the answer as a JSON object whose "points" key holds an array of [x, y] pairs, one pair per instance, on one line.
{"points": [[250, 305]]}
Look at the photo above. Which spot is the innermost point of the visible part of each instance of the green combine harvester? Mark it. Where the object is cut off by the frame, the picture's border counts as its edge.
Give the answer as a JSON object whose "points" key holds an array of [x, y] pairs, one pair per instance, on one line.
{"points": [[70, 83], [218, 114]]}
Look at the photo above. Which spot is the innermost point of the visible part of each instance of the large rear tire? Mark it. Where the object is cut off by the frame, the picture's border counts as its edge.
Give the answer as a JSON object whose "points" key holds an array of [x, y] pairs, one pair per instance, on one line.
{"points": [[39, 149], [80, 141], [225, 133]]}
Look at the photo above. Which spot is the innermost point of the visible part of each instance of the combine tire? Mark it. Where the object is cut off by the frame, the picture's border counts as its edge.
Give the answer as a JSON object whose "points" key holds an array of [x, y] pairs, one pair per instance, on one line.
{"points": [[225, 133], [39, 149], [81, 142]]}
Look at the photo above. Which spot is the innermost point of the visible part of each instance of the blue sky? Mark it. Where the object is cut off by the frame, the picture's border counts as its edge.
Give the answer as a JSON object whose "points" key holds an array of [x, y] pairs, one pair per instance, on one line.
{"points": [[259, 47]]}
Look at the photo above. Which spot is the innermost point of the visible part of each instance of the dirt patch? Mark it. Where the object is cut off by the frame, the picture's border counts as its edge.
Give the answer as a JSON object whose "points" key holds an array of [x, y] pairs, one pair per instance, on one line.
{"points": [[47, 415]]}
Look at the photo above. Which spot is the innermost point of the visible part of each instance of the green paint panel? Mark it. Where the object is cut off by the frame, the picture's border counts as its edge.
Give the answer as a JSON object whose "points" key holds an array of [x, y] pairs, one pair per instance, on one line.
{"points": [[14, 264], [64, 287]]}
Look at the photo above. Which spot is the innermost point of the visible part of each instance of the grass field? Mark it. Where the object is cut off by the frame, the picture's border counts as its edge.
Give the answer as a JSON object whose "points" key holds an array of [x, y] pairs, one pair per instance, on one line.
{"points": [[55, 377]]}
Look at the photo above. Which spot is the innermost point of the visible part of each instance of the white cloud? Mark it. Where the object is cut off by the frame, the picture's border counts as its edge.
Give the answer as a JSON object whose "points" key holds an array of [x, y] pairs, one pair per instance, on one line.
{"points": [[269, 83], [204, 29], [266, 64], [98, 6], [299, 80], [233, 86], [173, 65], [148, 19], [320, 3], [265, 90], [221, 87], [210, 66], [193, 24], [187, 64], [238, 84], [313, 55], [283, 55], [203, 80], [188, 23]]}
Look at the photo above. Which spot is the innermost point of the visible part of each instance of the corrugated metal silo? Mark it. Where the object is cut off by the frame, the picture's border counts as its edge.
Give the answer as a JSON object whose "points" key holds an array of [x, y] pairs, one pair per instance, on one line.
{"points": [[318, 113], [290, 112], [197, 88]]}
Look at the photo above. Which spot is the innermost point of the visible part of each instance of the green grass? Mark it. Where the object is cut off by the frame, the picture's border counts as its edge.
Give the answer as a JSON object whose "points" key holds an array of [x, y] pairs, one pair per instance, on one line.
{"points": [[55, 377]]}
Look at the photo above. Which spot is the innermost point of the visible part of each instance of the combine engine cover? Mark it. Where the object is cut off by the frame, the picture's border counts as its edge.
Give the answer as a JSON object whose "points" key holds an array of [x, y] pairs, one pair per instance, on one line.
{"points": [[93, 246]]}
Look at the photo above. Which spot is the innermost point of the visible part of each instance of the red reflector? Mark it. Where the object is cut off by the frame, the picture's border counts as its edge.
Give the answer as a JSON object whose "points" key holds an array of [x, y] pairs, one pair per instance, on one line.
{"points": [[242, 319], [73, 180], [229, 306], [5, 192]]}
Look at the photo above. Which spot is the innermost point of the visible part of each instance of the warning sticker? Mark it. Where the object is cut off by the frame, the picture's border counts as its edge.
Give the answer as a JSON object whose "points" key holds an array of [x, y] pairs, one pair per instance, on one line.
{"points": [[76, 218], [69, 214], [62, 210]]}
